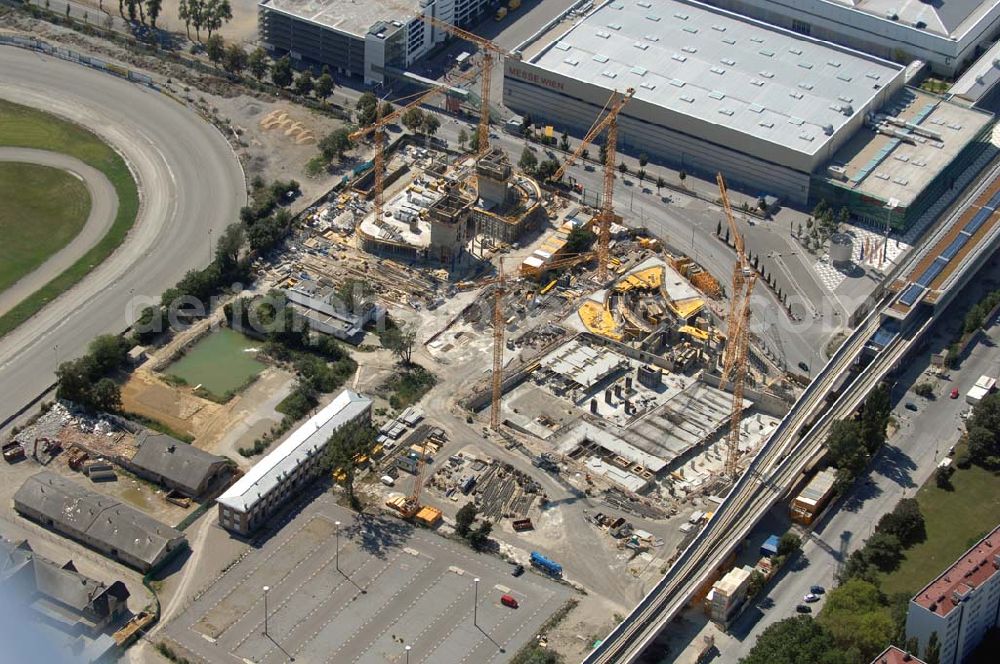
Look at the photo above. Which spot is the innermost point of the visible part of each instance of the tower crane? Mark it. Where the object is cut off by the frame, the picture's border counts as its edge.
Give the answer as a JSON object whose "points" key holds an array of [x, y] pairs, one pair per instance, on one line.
{"points": [[490, 51], [378, 129], [734, 364], [606, 215]]}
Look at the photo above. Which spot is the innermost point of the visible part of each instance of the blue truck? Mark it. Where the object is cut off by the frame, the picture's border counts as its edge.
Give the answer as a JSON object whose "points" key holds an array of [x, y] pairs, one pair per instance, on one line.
{"points": [[540, 561]]}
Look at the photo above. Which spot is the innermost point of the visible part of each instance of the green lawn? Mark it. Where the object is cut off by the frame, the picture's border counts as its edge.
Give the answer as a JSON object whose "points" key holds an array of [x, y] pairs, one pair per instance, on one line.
{"points": [[21, 126], [43, 209], [955, 521]]}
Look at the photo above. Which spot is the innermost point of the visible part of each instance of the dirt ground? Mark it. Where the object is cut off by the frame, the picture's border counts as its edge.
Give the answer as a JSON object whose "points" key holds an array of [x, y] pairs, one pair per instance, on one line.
{"points": [[590, 620]]}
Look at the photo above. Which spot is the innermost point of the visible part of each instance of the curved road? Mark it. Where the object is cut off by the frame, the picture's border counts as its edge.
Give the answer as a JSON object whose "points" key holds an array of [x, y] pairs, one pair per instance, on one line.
{"points": [[103, 208], [191, 186]]}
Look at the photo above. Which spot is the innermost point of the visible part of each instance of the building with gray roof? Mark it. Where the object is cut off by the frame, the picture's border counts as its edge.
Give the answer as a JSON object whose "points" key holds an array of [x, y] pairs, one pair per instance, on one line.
{"points": [[365, 39], [175, 465], [59, 594], [714, 91], [102, 523], [948, 34], [289, 467]]}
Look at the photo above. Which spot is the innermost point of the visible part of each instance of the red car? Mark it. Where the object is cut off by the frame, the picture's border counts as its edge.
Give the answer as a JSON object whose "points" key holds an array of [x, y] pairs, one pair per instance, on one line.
{"points": [[507, 600], [954, 393]]}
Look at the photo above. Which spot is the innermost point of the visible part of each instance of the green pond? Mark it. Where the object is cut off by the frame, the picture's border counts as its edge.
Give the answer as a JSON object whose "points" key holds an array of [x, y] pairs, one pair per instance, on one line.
{"points": [[220, 362]]}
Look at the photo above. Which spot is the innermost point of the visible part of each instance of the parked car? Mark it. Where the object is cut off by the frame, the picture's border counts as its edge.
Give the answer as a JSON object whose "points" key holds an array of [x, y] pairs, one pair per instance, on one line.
{"points": [[954, 393], [507, 600], [387, 480], [518, 570], [804, 366], [910, 406], [810, 598], [817, 590], [804, 608]]}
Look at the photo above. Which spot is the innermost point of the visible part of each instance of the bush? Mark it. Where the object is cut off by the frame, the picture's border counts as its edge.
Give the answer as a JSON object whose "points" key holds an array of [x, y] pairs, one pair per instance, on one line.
{"points": [[963, 461], [925, 390]]}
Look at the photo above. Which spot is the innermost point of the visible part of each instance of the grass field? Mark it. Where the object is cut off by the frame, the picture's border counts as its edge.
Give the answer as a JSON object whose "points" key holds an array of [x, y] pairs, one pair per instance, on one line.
{"points": [[955, 521], [43, 209], [28, 128]]}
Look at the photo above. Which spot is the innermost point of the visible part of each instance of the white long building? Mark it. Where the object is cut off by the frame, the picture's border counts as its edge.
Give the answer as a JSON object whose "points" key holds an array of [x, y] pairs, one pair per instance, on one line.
{"points": [[714, 91], [361, 38], [289, 467]]}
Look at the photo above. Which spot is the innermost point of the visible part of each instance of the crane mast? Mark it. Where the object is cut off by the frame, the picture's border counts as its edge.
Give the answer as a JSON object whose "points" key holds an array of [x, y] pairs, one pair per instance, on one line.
{"points": [[734, 365]]}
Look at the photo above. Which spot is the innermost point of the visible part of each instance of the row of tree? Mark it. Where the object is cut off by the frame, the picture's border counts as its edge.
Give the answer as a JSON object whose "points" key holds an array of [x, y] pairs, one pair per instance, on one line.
{"points": [[883, 551], [851, 443], [208, 15], [477, 537], [87, 382], [983, 432]]}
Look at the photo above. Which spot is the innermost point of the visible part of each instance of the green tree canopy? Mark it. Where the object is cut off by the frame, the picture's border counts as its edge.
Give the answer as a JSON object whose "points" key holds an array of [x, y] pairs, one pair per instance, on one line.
{"points": [[795, 641], [857, 618]]}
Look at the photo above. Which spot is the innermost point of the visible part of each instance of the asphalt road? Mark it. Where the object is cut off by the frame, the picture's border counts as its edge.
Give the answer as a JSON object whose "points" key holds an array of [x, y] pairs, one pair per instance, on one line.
{"points": [[103, 208], [191, 186]]}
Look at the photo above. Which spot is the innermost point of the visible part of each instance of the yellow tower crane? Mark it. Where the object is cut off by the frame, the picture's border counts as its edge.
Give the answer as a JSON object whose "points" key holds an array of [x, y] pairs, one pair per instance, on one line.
{"points": [[734, 364], [609, 121], [490, 51]]}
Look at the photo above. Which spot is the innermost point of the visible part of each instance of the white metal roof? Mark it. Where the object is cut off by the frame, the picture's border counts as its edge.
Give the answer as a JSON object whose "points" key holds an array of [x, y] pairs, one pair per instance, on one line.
{"points": [[305, 441], [720, 67]]}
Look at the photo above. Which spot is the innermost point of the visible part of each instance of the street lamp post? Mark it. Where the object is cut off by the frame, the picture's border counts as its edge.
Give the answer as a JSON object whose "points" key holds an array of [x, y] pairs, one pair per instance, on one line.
{"points": [[475, 606], [337, 552], [407, 649], [266, 588]]}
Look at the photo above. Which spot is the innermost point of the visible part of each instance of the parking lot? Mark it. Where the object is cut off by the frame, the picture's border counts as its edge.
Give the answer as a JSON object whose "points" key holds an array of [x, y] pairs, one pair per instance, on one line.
{"points": [[387, 586]]}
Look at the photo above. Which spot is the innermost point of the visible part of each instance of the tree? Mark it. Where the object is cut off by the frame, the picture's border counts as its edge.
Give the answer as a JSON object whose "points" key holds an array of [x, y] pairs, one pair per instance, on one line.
{"points": [[335, 144], [789, 544], [479, 537], [641, 174], [528, 162], [235, 59], [413, 119], [215, 48], [227, 251], [845, 447], [281, 72], [579, 240], [183, 13], [109, 352], [884, 551], [547, 169], [431, 124], [304, 83], [942, 477], [107, 396], [564, 142], [858, 567], [463, 137], [400, 341], [217, 13], [257, 63], [465, 518], [982, 443], [682, 176], [324, 85], [623, 168], [660, 183], [643, 159], [925, 390], [857, 618], [905, 522], [345, 446], [793, 641], [585, 154], [73, 381], [365, 109], [197, 16], [755, 584], [932, 653], [153, 8]]}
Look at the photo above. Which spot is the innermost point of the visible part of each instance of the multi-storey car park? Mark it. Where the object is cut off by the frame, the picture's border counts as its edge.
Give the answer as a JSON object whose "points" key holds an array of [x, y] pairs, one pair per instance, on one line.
{"points": [[946, 35], [770, 108], [361, 38]]}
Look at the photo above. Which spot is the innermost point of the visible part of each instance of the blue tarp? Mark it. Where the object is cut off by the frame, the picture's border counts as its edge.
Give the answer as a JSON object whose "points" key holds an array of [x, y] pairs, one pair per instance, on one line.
{"points": [[770, 546]]}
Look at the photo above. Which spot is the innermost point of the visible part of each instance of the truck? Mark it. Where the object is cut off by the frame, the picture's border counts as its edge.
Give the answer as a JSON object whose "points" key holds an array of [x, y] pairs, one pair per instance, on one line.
{"points": [[13, 452], [543, 563], [520, 525], [501, 14]]}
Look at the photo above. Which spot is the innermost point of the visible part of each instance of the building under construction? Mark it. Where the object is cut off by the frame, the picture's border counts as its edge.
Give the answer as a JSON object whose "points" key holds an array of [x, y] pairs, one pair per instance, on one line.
{"points": [[441, 208]]}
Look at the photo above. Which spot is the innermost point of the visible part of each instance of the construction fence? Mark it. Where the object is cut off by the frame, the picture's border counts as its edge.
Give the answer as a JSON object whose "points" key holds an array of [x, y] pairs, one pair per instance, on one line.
{"points": [[70, 55]]}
